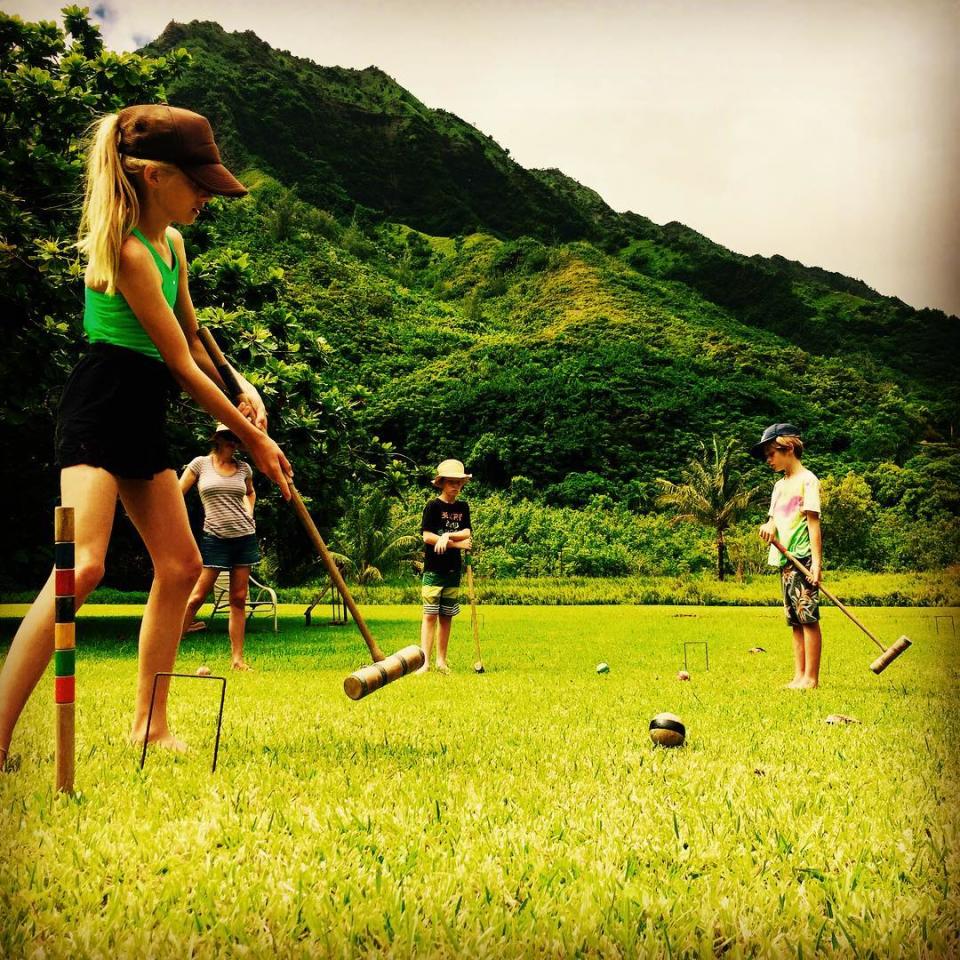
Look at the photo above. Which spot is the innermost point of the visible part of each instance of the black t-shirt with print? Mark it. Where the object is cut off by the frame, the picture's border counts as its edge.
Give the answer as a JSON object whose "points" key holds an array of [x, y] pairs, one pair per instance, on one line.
{"points": [[439, 518]]}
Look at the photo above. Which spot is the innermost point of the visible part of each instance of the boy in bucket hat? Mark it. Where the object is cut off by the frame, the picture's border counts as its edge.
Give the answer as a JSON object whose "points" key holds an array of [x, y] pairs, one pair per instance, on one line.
{"points": [[446, 533], [795, 521]]}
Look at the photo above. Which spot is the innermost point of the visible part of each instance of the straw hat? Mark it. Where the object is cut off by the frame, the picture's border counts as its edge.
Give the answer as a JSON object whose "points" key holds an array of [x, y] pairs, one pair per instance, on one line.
{"points": [[223, 428], [450, 470]]}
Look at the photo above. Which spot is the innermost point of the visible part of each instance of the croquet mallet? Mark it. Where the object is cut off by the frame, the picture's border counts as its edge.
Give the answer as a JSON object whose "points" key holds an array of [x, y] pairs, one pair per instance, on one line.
{"points": [[384, 669], [478, 664], [889, 653]]}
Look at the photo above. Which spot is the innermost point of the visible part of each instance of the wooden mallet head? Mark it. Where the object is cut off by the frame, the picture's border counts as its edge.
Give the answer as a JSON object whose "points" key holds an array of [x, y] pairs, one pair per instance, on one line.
{"points": [[890, 654], [364, 681]]}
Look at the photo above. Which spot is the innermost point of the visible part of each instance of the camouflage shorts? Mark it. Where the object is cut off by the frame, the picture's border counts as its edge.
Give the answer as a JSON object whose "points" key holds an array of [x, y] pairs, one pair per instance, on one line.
{"points": [[801, 600]]}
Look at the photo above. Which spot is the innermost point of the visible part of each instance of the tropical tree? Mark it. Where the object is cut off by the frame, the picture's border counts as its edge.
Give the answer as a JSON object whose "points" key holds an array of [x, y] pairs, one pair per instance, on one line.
{"points": [[712, 493], [373, 535]]}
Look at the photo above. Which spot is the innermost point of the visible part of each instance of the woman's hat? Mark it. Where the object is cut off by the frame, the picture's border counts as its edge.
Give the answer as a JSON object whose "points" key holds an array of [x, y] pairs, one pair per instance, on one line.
{"points": [[450, 470], [771, 433], [157, 131]]}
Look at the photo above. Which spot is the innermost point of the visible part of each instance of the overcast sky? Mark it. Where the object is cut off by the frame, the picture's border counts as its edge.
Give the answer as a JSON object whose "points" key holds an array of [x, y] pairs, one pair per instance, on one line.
{"points": [[827, 131]]}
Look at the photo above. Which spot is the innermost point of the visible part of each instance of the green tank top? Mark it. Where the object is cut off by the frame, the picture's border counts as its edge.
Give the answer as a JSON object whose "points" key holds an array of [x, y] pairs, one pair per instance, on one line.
{"points": [[109, 319]]}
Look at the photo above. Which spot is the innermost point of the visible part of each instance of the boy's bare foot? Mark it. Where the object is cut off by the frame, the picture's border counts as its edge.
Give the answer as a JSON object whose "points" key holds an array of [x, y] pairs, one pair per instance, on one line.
{"points": [[166, 740], [794, 684], [422, 670], [443, 668], [241, 665], [808, 683]]}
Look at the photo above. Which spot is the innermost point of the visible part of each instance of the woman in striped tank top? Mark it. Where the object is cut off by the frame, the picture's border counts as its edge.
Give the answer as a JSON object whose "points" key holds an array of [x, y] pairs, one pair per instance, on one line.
{"points": [[229, 539]]}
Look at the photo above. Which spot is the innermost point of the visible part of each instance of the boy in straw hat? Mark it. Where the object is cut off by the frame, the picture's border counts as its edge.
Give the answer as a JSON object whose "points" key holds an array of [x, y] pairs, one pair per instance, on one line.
{"points": [[446, 532]]}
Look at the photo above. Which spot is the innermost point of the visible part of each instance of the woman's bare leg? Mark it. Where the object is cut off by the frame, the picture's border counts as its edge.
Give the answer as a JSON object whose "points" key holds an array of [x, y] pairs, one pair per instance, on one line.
{"points": [[201, 589], [159, 513], [92, 493], [239, 586]]}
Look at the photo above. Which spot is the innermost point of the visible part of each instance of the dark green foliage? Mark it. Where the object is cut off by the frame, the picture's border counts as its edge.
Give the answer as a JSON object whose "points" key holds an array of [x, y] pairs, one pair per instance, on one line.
{"points": [[49, 93], [395, 275], [52, 85]]}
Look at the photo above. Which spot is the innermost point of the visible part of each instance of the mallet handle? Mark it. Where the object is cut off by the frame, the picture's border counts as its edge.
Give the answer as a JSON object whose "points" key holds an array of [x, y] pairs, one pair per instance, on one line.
{"points": [[825, 591], [220, 362], [233, 388], [314, 534], [473, 608]]}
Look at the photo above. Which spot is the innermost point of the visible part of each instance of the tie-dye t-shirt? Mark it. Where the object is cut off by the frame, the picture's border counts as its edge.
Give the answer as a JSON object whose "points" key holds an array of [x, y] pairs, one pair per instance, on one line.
{"points": [[793, 497]]}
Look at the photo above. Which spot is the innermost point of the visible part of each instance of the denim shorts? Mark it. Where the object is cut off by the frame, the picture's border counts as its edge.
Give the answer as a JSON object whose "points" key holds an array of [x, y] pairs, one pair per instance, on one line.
{"points": [[225, 553]]}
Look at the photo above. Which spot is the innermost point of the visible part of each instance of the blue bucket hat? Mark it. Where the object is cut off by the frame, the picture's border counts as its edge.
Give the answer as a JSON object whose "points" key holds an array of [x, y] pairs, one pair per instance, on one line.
{"points": [[771, 433]]}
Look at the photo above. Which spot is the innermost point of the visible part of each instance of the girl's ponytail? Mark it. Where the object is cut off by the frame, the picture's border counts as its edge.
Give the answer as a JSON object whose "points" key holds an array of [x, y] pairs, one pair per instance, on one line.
{"points": [[111, 208]]}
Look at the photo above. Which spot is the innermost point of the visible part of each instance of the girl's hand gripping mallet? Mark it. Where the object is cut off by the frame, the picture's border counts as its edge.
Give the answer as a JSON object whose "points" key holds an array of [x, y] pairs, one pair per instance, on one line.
{"points": [[889, 653], [384, 669]]}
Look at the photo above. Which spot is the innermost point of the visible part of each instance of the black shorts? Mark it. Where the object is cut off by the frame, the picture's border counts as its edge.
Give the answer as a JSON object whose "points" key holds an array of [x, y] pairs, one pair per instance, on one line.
{"points": [[113, 413]]}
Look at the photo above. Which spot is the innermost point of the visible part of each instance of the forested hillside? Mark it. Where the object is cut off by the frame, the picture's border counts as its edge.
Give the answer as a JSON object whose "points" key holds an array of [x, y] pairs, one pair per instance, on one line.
{"points": [[402, 291]]}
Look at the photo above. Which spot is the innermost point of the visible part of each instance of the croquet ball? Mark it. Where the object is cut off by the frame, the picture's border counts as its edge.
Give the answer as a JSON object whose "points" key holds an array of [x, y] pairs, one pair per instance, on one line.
{"points": [[478, 667], [203, 671], [683, 675], [667, 730], [603, 668]]}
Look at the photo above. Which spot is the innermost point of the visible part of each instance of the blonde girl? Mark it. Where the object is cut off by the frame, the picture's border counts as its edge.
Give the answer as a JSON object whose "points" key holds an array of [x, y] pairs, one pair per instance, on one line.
{"points": [[147, 168]]}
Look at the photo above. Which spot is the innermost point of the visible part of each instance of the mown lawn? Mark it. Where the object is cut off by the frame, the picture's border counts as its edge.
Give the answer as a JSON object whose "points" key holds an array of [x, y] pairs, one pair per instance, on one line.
{"points": [[519, 813]]}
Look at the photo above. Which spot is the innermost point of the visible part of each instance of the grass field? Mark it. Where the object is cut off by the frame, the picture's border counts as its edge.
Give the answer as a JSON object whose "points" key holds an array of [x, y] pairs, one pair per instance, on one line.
{"points": [[519, 813]]}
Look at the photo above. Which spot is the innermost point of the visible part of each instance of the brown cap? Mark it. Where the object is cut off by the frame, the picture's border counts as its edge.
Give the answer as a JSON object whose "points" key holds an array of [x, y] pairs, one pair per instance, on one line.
{"points": [[160, 132]]}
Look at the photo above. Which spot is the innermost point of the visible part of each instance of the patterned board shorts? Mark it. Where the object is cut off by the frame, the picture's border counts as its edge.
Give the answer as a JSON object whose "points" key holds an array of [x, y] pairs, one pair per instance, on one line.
{"points": [[801, 600], [441, 593]]}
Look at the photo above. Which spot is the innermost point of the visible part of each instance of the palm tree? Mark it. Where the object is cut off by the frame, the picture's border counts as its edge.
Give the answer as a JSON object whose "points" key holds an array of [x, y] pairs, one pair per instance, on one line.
{"points": [[711, 493], [373, 535]]}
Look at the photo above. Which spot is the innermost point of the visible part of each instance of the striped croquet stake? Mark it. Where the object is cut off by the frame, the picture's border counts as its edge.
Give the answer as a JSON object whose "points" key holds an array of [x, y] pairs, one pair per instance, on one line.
{"points": [[65, 644]]}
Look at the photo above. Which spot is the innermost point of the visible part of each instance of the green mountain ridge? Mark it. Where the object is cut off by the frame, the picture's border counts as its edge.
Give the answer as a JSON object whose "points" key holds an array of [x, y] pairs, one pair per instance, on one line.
{"points": [[348, 137], [358, 144], [355, 139]]}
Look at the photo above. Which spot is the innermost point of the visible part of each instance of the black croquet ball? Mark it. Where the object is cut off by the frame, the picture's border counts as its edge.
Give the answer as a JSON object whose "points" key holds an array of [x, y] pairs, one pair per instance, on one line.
{"points": [[667, 730]]}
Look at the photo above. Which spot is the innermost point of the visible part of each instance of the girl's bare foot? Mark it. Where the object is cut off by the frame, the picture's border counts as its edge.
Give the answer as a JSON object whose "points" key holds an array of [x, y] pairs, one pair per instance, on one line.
{"points": [[422, 670], [443, 668], [241, 665], [165, 740], [808, 683], [794, 684]]}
